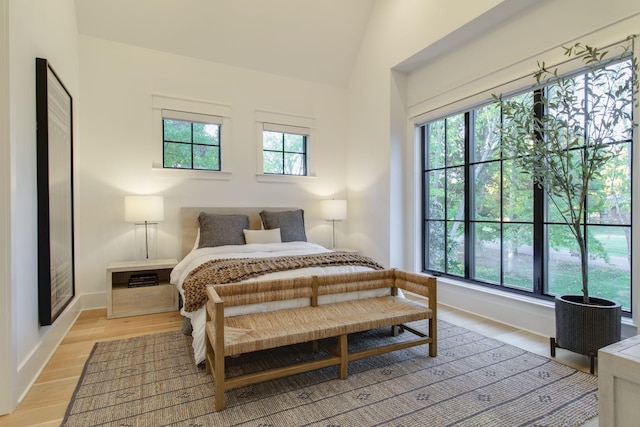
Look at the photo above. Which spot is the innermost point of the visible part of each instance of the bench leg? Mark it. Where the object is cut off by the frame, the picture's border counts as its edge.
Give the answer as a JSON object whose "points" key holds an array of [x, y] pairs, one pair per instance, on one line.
{"points": [[344, 360], [433, 346], [218, 378], [208, 357]]}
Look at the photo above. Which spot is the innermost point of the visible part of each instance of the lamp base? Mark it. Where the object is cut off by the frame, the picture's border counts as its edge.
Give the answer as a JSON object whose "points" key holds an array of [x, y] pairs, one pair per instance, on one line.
{"points": [[146, 241]]}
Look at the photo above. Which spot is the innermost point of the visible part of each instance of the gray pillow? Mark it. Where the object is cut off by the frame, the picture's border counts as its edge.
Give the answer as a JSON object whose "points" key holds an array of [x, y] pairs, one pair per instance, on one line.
{"points": [[290, 223], [220, 230]]}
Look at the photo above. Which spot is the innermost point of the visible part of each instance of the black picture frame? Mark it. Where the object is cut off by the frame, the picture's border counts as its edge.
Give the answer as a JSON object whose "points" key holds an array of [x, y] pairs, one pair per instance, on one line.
{"points": [[54, 139]]}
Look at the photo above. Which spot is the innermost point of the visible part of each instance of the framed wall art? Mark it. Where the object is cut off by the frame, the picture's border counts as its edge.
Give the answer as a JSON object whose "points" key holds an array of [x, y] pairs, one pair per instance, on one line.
{"points": [[54, 116]]}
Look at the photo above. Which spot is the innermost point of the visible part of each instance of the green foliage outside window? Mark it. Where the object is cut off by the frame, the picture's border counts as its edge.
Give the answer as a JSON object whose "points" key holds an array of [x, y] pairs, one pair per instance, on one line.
{"points": [[191, 145], [284, 153]]}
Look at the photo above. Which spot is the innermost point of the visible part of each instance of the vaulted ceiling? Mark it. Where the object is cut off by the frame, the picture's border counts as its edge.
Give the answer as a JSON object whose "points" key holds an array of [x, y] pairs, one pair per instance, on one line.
{"points": [[313, 40]]}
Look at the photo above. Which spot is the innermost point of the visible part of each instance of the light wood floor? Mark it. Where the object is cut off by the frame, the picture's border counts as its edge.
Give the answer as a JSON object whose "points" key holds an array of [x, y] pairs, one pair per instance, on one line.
{"points": [[46, 402]]}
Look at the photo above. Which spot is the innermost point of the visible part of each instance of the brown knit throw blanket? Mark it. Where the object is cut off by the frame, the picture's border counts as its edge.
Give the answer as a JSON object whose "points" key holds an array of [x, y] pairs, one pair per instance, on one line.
{"points": [[222, 271]]}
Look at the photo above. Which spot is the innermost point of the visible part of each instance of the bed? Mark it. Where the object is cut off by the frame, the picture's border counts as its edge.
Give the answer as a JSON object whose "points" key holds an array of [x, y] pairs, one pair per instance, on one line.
{"points": [[228, 245]]}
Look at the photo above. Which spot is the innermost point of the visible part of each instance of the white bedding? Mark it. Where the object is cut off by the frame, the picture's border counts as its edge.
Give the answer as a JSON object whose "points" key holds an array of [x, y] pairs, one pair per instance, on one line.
{"points": [[257, 250]]}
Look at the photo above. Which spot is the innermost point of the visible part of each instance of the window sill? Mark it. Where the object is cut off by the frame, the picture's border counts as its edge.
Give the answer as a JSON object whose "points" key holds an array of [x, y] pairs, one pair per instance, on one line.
{"points": [[284, 178], [191, 174], [518, 298], [497, 292]]}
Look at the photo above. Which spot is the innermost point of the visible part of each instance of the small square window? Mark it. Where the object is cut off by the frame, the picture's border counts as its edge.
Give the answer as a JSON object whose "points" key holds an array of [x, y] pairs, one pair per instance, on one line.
{"points": [[191, 141], [284, 150]]}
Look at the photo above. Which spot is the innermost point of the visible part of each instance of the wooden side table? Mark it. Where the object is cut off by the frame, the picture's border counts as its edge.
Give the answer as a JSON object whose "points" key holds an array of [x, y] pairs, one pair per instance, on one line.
{"points": [[123, 300]]}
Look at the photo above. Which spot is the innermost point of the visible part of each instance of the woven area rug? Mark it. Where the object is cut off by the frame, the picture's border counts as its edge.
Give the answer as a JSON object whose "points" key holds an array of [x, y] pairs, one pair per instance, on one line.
{"points": [[474, 381]]}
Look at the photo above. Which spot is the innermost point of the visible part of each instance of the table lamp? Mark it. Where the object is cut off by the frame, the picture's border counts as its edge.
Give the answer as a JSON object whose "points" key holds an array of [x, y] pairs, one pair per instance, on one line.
{"points": [[334, 210], [147, 210]]}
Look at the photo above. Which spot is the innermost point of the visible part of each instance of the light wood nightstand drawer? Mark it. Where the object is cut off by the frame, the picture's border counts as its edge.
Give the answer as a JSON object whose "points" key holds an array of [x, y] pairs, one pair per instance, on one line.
{"points": [[143, 300]]}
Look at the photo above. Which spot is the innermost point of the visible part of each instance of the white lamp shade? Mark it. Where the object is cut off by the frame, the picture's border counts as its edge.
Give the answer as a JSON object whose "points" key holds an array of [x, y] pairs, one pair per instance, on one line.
{"points": [[143, 208], [334, 209]]}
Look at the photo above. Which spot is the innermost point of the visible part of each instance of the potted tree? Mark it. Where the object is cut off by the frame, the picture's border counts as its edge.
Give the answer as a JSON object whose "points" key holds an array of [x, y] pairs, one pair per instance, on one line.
{"points": [[564, 151]]}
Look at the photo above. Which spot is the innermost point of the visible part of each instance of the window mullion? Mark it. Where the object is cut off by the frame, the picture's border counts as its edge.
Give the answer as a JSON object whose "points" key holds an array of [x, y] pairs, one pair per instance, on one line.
{"points": [[283, 152], [425, 196], [192, 150], [469, 234], [540, 240], [446, 195]]}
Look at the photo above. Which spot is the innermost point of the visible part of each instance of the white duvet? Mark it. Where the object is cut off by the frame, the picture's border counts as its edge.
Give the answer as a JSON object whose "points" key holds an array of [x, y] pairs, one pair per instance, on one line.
{"points": [[256, 250]]}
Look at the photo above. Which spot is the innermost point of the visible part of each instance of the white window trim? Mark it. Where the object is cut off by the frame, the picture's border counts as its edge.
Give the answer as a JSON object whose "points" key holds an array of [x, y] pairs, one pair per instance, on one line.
{"points": [[191, 117], [191, 110], [287, 123], [295, 130]]}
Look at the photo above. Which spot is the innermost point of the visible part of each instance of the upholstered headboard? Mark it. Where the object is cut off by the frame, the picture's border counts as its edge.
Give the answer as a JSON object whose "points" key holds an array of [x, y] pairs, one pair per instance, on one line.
{"points": [[190, 221]]}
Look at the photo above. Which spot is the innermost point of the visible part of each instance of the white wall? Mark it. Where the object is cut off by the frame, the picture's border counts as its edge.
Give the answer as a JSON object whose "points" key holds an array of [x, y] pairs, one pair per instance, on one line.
{"points": [[438, 61], [6, 351], [120, 139], [396, 31], [37, 28]]}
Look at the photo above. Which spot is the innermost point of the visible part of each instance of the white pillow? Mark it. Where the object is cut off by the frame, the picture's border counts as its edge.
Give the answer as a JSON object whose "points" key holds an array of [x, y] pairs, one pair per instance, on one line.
{"points": [[262, 236]]}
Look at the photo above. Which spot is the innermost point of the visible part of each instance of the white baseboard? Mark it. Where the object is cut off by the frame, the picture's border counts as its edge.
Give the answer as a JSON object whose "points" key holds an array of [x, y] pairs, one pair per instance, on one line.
{"points": [[31, 368], [94, 301], [52, 336]]}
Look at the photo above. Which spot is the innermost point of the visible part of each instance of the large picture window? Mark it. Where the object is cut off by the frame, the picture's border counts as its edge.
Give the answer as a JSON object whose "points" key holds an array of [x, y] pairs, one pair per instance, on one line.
{"points": [[484, 221]]}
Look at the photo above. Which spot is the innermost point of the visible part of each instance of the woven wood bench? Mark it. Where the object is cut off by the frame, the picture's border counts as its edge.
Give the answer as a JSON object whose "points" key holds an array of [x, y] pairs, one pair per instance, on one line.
{"points": [[229, 336]]}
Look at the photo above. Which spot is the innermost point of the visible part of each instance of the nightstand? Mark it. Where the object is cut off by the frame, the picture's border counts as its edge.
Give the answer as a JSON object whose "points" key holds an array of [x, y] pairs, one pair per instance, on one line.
{"points": [[123, 300]]}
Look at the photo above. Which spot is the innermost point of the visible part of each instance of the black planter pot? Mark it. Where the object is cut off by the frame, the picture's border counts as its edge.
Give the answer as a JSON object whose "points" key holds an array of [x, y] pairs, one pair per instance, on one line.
{"points": [[585, 328]]}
